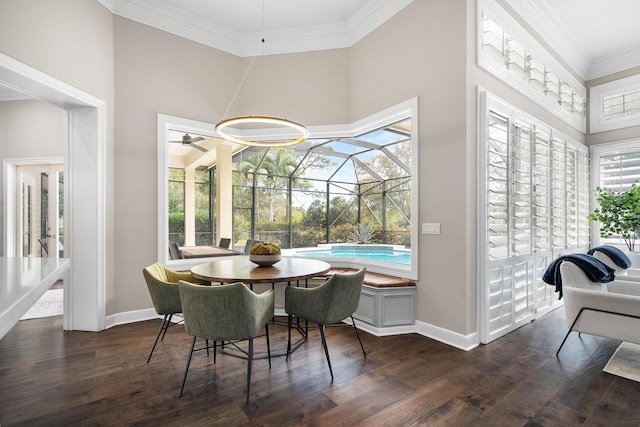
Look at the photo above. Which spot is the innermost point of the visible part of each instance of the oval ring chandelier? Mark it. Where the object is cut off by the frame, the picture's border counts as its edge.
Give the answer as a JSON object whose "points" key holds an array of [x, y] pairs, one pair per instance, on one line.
{"points": [[261, 120]]}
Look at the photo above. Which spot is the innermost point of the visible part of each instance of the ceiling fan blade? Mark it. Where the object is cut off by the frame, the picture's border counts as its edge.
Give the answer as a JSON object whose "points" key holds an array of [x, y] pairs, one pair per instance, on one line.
{"points": [[196, 139], [197, 147]]}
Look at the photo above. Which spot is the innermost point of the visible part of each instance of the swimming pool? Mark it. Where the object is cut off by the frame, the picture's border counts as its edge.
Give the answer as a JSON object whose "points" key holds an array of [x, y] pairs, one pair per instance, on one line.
{"points": [[384, 253]]}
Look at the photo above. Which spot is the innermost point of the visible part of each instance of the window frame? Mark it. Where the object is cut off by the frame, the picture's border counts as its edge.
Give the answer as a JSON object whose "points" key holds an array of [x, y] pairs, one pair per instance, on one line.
{"points": [[596, 153], [403, 110], [530, 45], [597, 122]]}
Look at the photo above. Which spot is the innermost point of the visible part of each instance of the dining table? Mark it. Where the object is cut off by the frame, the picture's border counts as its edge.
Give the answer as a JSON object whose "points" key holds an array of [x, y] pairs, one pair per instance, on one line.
{"points": [[241, 269], [288, 270]]}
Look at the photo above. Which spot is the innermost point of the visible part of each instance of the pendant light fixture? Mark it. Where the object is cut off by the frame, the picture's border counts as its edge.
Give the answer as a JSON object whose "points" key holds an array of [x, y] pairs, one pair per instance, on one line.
{"points": [[297, 131]]}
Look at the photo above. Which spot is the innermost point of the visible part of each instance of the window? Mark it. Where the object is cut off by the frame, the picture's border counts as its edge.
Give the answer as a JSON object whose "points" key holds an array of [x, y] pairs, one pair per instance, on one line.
{"points": [[506, 50], [615, 104], [616, 166], [365, 179], [534, 202], [312, 193]]}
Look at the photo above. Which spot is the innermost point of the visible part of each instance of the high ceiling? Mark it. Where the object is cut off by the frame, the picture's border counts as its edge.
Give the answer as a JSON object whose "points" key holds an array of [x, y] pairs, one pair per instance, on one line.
{"points": [[596, 37]]}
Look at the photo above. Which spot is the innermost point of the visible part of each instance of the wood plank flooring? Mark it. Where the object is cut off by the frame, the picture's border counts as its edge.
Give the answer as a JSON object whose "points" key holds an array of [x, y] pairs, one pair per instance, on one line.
{"points": [[49, 377]]}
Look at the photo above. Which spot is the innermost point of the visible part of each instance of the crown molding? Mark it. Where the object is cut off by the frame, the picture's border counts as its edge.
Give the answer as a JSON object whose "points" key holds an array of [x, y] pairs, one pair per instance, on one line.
{"points": [[538, 14], [544, 21], [296, 39], [614, 62]]}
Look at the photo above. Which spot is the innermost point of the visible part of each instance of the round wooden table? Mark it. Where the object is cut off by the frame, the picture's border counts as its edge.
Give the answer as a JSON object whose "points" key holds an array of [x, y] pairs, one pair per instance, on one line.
{"points": [[240, 269]]}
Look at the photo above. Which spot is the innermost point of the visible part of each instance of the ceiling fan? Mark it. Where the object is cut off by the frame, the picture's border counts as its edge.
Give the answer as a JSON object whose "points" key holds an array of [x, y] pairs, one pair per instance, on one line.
{"points": [[189, 140]]}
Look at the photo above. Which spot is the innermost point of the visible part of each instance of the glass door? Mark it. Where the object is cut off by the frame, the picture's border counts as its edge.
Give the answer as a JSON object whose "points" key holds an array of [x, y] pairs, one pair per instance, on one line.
{"points": [[41, 226]]}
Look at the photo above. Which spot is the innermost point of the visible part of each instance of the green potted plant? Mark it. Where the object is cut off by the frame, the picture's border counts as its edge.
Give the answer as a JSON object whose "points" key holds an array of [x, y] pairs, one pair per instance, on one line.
{"points": [[618, 214]]}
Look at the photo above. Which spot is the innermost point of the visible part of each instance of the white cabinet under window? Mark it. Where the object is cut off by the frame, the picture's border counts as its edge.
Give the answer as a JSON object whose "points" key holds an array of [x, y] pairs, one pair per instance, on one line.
{"points": [[533, 205]]}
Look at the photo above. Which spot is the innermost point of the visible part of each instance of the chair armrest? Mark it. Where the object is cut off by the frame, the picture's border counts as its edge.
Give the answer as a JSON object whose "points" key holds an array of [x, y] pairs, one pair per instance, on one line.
{"points": [[176, 276], [576, 298], [264, 305], [308, 303]]}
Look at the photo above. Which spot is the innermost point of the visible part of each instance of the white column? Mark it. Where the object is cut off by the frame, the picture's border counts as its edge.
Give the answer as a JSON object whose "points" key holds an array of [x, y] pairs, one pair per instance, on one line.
{"points": [[189, 207], [224, 192]]}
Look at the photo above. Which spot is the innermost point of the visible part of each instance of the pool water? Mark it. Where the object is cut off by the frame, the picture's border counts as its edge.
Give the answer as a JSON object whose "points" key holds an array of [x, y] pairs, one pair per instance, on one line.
{"points": [[367, 252]]}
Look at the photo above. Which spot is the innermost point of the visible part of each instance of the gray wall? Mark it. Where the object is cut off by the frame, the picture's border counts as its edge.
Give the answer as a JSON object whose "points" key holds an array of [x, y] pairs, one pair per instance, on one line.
{"points": [[29, 128], [71, 40], [426, 50]]}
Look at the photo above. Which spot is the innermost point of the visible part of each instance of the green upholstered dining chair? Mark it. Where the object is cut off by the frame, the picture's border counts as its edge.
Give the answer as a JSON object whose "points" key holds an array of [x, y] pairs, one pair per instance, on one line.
{"points": [[230, 312], [165, 295], [330, 303]]}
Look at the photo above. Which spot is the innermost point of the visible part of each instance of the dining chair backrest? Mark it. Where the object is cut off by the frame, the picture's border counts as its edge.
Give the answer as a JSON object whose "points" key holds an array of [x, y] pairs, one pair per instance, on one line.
{"points": [[163, 288], [344, 296], [225, 242], [226, 312], [334, 300]]}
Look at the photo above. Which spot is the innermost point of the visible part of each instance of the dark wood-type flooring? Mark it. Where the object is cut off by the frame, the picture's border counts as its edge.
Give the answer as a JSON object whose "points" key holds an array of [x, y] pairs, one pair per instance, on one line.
{"points": [[53, 378]]}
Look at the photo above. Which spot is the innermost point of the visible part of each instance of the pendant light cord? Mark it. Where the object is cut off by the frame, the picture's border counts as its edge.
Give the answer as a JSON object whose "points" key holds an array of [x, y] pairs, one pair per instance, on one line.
{"points": [[239, 86], [235, 95]]}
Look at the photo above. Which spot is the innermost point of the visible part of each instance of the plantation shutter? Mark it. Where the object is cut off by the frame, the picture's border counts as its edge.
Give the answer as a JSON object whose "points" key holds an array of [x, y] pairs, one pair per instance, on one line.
{"points": [[535, 194]]}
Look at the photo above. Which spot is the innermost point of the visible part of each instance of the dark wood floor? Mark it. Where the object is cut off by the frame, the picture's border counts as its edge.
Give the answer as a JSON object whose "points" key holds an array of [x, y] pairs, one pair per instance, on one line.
{"points": [[53, 378]]}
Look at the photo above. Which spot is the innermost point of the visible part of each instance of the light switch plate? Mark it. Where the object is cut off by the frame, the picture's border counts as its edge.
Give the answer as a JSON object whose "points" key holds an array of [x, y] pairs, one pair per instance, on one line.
{"points": [[430, 228]]}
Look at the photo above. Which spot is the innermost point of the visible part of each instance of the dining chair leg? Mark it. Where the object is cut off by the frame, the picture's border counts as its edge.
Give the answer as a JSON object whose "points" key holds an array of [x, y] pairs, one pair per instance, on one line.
{"points": [[215, 347], [206, 344], [167, 322], [157, 337], [289, 320], [326, 350], [249, 363], [353, 322], [186, 369], [266, 331]]}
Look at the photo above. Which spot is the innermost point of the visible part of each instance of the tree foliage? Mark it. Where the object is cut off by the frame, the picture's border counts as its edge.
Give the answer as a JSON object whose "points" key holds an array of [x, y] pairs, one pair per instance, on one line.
{"points": [[618, 214]]}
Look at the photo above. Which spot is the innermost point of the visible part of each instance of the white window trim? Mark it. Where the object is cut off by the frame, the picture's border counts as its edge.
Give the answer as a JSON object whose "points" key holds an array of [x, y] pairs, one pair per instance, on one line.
{"points": [[596, 153], [597, 123], [511, 26], [408, 108]]}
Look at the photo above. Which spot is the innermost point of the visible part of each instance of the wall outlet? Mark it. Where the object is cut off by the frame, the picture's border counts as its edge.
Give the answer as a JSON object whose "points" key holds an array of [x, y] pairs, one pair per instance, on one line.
{"points": [[430, 228]]}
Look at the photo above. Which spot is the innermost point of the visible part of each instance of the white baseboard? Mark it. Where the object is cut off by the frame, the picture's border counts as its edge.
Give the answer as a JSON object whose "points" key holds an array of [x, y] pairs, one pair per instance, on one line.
{"points": [[130, 317], [463, 342]]}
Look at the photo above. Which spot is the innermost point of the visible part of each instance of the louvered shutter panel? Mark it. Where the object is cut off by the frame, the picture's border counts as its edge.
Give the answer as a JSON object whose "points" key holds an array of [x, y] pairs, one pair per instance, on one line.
{"points": [[536, 200]]}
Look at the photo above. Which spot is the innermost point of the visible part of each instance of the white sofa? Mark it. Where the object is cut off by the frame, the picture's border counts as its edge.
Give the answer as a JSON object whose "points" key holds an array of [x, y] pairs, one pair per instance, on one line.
{"points": [[610, 310]]}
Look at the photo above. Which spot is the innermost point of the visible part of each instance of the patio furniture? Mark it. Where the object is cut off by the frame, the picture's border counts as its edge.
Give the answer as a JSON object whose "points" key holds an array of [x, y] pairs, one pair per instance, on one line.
{"points": [[174, 251], [205, 252], [250, 243], [225, 242]]}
